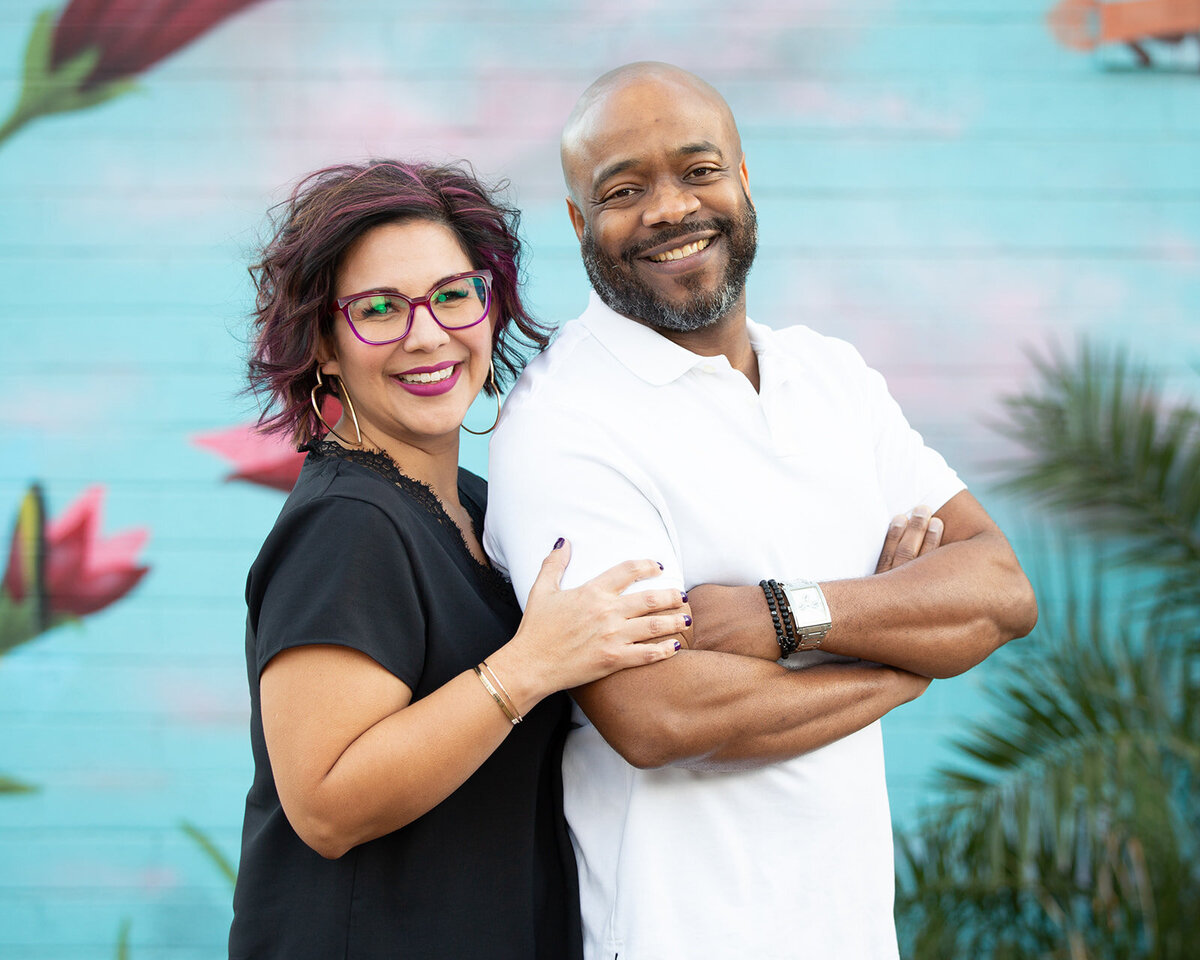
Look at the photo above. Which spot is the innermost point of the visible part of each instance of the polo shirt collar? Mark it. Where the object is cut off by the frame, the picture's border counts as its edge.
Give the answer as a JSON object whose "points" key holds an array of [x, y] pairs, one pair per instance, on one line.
{"points": [[648, 354]]}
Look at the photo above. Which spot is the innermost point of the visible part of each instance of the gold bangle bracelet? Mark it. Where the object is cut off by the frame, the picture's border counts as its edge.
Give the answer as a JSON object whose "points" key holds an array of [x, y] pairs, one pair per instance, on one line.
{"points": [[496, 696], [512, 704]]}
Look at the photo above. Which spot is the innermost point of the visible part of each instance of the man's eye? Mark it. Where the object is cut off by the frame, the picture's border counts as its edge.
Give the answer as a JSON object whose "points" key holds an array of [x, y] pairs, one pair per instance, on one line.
{"points": [[619, 194]]}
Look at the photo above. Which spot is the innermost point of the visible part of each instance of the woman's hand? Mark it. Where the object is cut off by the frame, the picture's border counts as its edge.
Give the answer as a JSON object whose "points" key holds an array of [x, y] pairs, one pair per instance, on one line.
{"points": [[571, 637]]}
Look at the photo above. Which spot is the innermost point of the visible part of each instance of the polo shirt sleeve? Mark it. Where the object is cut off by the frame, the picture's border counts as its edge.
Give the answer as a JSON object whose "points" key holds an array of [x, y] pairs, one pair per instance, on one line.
{"points": [[336, 571], [909, 472], [553, 474]]}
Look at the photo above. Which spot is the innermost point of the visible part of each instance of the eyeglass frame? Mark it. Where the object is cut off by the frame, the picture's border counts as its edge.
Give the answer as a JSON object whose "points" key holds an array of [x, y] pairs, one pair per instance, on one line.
{"points": [[343, 305]]}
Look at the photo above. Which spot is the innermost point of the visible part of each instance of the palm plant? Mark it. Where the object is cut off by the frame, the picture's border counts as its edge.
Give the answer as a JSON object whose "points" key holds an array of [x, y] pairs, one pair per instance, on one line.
{"points": [[1070, 825]]}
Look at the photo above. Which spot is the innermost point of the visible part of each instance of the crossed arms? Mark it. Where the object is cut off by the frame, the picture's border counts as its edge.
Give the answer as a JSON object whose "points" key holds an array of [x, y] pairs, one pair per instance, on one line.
{"points": [[726, 705]]}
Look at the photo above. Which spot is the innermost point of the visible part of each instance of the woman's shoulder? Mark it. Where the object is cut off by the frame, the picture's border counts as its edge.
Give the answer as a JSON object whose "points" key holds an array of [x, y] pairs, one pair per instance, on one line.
{"points": [[353, 475]]}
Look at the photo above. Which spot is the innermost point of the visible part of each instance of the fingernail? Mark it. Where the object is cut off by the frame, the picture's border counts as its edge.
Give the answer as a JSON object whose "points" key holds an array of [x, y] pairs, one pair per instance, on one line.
{"points": [[559, 542], [678, 645], [683, 597], [687, 621], [899, 520], [921, 511], [660, 566]]}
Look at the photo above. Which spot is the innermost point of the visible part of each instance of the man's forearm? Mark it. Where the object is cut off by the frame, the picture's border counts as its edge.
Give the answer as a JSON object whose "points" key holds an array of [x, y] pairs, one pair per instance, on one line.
{"points": [[717, 711], [937, 615]]}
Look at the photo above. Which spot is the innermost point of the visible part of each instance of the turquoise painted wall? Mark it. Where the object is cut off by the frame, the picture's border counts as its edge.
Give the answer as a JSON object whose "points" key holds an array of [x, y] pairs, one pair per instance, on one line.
{"points": [[937, 181]]}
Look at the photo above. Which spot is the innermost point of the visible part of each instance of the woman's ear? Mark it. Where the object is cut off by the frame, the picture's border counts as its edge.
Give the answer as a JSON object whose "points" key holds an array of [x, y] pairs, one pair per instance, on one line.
{"points": [[327, 361]]}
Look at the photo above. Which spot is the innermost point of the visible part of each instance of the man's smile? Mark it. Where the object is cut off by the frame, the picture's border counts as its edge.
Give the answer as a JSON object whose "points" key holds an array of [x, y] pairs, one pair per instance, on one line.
{"points": [[678, 253]]}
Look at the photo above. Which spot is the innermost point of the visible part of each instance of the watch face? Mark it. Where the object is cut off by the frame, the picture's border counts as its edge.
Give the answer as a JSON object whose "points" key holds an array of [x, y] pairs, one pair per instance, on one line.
{"points": [[809, 603], [810, 612]]}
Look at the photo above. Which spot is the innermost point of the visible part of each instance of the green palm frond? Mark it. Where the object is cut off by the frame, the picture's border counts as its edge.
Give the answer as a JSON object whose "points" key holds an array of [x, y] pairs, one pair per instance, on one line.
{"points": [[122, 951], [1105, 446], [1069, 827], [214, 853]]}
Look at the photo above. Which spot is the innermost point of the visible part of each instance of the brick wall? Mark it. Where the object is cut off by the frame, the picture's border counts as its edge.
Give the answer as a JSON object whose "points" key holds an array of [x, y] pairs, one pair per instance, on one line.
{"points": [[938, 182]]}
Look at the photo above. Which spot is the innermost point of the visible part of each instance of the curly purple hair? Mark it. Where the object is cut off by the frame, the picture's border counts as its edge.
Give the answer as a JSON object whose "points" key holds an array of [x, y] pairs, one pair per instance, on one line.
{"points": [[327, 211]]}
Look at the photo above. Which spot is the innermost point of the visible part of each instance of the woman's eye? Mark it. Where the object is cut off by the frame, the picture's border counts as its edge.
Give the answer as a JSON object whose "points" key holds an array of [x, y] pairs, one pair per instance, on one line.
{"points": [[449, 296], [375, 308]]}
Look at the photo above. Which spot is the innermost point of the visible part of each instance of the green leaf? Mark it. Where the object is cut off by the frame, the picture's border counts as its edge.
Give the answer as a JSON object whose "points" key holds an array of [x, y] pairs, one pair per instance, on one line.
{"points": [[12, 785], [223, 864], [45, 91], [123, 952]]}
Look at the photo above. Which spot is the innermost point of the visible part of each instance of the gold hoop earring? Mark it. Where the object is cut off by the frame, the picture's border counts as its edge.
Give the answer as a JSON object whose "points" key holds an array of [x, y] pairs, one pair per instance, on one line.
{"points": [[343, 395], [496, 391]]}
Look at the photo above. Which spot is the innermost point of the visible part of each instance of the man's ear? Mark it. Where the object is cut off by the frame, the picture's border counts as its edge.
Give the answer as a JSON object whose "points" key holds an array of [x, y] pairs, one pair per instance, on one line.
{"points": [[576, 216], [745, 178]]}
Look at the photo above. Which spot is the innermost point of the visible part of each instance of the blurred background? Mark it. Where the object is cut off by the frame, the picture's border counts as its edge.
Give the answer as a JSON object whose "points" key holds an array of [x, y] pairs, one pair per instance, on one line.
{"points": [[996, 201]]}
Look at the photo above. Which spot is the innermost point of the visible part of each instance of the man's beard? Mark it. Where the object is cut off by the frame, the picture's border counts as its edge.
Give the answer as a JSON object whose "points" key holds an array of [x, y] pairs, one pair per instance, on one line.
{"points": [[618, 284]]}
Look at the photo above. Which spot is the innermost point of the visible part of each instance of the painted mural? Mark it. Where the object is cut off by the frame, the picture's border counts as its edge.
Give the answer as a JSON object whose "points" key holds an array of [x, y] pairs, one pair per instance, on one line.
{"points": [[968, 192]]}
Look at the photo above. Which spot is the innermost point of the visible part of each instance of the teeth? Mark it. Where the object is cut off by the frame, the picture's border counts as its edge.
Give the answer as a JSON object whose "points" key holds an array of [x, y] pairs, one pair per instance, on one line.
{"points": [[680, 252], [437, 377]]}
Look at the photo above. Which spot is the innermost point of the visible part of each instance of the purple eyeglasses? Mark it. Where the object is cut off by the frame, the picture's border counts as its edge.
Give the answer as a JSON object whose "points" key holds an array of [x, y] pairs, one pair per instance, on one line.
{"points": [[455, 303]]}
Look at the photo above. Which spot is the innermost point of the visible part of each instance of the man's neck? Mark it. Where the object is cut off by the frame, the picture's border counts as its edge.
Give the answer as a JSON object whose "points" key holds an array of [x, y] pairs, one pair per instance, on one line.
{"points": [[727, 337]]}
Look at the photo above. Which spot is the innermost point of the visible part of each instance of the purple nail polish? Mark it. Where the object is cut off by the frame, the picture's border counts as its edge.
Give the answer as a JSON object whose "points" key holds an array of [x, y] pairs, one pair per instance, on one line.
{"points": [[559, 542], [683, 597], [660, 566], [687, 621], [678, 644]]}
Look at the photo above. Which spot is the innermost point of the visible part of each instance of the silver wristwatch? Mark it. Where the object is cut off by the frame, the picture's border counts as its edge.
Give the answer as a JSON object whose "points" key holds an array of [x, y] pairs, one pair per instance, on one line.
{"points": [[809, 612]]}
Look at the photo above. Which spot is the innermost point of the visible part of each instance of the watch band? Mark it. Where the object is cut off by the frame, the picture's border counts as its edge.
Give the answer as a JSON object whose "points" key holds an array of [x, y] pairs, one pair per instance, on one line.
{"points": [[809, 612]]}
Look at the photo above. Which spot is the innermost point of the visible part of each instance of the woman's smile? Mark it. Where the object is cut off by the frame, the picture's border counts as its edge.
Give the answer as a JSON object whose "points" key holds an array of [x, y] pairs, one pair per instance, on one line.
{"points": [[430, 381]]}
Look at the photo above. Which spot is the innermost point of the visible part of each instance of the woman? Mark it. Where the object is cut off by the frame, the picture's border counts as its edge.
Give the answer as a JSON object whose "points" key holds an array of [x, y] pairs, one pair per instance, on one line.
{"points": [[405, 730]]}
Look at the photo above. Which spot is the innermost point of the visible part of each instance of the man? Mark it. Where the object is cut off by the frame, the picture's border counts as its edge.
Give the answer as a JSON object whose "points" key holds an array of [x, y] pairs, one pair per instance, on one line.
{"points": [[721, 804]]}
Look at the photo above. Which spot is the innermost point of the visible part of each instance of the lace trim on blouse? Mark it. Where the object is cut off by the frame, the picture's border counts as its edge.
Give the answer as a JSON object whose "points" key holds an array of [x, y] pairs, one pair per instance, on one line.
{"points": [[423, 495]]}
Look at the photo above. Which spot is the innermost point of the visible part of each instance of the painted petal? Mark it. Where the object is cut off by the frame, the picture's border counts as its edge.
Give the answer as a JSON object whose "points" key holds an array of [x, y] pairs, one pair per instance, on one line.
{"points": [[168, 34], [75, 30], [115, 552], [85, 572], [95, 592], [69, 538], [259, 458], [133, 35]]}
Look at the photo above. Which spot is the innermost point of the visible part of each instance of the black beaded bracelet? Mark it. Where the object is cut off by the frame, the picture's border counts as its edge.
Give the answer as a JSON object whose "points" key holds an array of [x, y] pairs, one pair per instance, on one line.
{"points": [[785, 614], [785, 634]]}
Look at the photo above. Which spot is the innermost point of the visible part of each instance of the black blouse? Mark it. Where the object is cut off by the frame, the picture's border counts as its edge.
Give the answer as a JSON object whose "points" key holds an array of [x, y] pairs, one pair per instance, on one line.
{"points": [[364, 557]]}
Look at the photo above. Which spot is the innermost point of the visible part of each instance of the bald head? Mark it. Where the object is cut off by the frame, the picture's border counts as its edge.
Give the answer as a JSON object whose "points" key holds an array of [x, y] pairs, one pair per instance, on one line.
{"points": [[630, 100]]}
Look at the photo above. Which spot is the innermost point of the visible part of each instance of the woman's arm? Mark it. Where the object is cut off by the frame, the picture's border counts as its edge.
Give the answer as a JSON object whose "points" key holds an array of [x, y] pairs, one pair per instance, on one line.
{"points": [[354, 758]]}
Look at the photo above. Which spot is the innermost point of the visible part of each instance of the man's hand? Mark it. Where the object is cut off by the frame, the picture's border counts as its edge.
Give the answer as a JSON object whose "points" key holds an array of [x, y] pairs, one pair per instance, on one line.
{"points": [[909, 537]]}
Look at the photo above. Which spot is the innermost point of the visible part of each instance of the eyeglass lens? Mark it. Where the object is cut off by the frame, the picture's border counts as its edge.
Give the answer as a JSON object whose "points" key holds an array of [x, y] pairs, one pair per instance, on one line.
{"points": [[379, 317]]}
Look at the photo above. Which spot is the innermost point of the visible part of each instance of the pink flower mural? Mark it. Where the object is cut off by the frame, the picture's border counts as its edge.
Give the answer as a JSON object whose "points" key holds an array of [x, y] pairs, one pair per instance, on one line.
{"points": [[257, 457], [64, 569], [91, 50], [265, 459]]}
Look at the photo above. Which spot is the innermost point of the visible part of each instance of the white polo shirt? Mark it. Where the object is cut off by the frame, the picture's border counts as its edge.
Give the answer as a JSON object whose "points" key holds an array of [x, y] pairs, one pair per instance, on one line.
{"points": [[632, 446]]}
